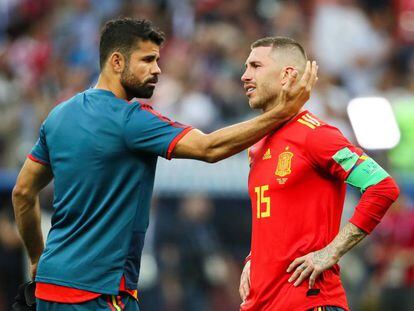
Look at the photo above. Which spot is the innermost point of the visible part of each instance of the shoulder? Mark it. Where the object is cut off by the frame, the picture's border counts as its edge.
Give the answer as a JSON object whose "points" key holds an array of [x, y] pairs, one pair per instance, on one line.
{"points": [[146, 112], [315, 128], [136, 110], [61, 108], [309, 121]]}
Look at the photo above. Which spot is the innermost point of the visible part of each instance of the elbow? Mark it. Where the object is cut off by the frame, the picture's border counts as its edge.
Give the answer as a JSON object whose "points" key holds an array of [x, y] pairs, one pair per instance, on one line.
{"points": [[21, 193], [215, 154], [395, 191], [210, 157], [210, 153], [391, 188]]}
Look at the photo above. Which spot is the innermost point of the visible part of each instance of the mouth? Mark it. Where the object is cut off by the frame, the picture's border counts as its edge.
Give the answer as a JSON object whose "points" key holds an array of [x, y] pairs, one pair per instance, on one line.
{"points": [[250, 89], [152, 82]]}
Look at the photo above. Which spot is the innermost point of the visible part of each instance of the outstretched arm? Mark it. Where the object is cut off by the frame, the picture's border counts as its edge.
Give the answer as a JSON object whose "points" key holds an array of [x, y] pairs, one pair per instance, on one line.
{"points": [[230, 140], [32, 178]]}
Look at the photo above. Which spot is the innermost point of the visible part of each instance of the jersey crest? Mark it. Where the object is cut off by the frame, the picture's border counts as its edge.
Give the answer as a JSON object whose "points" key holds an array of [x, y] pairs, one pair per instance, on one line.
{"points": [[284, 163]]}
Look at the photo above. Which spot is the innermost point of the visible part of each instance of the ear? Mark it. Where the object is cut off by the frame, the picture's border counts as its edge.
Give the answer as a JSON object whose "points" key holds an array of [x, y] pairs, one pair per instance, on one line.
{"points": [[116, 61], [285, 72]]}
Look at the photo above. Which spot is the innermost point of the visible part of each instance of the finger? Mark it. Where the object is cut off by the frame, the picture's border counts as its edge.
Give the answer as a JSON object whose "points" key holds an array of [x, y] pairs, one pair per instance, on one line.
{"points": [[242, 293], [246, 290], [306, 75], [305, 273], [316, 76], [288, 85], [248, 279], [298, 261], [313, 76], [313, 277], [291, 79], [297, 272]]}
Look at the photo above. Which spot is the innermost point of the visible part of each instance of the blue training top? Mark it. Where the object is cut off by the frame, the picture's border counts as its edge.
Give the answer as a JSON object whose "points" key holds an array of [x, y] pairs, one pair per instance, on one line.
{"points": [[103, 152]]}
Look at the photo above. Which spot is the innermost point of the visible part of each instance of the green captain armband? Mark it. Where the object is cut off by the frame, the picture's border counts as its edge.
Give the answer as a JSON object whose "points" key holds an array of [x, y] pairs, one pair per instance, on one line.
{"points": [[366, 174]]}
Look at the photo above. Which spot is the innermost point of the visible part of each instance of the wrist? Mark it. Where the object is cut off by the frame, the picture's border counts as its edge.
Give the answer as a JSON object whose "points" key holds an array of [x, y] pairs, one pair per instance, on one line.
{"points": [[281, 113], [334, 252]]}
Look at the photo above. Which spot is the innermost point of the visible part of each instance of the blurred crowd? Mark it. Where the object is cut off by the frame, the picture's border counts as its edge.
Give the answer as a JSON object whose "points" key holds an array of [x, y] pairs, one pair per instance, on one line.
{"points": [[49, 52]]}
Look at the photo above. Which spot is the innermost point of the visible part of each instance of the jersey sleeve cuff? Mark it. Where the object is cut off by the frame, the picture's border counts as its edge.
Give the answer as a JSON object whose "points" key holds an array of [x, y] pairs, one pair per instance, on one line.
{"points": [[374, 203], [35, 159], [364, 222], [176, 139]]}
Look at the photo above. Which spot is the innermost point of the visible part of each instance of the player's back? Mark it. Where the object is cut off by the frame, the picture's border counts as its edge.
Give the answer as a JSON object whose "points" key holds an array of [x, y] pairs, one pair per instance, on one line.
{"points": [[296, 209]]}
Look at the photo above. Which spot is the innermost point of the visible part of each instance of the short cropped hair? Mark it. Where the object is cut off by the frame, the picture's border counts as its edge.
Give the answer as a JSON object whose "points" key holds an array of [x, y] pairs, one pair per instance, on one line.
{"points": [[280, 43], [122, 35]]}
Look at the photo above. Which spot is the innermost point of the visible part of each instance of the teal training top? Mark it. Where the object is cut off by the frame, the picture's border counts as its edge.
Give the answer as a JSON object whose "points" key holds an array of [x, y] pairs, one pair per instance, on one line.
{"points": [[102, 151]]}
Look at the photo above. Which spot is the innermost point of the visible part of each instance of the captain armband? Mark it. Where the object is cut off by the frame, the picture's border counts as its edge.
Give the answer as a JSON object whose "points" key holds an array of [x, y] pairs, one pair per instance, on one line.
{"points": [[366, 174]]}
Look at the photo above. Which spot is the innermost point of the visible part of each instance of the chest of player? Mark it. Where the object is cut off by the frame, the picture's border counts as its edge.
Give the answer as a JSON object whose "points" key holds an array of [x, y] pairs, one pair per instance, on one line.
{"points": [[278, 164]]}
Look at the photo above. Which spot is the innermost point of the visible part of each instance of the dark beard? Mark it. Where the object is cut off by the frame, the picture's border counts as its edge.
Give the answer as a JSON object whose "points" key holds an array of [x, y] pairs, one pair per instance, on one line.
{"points": [[134, 88]]}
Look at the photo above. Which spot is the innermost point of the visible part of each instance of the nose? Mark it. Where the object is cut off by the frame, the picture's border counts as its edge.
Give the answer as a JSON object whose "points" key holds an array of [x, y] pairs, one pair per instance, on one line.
{"points": [[156, 70], [246, 77]]}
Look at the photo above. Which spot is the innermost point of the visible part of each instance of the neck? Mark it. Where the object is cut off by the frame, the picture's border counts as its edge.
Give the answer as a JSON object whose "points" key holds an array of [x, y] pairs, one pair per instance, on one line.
{"points": [[273, 104], [270, 105], [110, 84]]}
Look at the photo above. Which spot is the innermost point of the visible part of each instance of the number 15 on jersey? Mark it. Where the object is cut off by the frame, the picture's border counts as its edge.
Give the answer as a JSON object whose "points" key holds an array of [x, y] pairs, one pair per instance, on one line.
{"points": [[262, 201]]}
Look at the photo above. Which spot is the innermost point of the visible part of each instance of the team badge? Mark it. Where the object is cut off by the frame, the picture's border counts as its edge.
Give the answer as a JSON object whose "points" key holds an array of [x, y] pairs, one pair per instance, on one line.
{"points": [[284, 163]]}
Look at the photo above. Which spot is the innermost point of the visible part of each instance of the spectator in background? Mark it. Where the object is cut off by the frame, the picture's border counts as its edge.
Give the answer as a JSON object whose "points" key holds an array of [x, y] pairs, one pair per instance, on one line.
{"points": [[191, 254], [11, 258], [352, 55]]}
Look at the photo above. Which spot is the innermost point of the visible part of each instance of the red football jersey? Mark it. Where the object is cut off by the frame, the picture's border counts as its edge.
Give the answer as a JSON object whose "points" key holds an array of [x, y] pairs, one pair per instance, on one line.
{"points": [[297, 191]]}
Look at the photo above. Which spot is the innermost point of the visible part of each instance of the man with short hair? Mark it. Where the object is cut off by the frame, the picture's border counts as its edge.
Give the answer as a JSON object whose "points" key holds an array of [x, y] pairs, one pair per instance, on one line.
{"points": [[102, 151], [297, 190]]}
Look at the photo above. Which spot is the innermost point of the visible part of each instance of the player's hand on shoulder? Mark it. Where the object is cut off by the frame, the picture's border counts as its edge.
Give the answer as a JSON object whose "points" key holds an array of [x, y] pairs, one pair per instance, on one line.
{"points": [[311, 266], [294, 95], [244, 287]]}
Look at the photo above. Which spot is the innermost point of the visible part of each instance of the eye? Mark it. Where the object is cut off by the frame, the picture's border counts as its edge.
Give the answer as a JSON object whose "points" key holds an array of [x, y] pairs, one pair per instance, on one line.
{"points": [[149, 59]]}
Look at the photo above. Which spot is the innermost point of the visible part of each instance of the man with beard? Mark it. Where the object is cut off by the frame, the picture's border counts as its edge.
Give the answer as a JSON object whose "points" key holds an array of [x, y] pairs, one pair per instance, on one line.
{"points": [[102, 151], [297, 188]]}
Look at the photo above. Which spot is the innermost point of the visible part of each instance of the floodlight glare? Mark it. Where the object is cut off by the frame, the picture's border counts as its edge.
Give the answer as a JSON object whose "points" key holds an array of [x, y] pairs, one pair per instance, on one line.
{"points": [[374, 123]]}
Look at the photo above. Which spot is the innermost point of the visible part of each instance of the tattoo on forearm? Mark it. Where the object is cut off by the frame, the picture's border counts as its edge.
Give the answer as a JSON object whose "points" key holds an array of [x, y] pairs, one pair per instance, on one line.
{"points": [[349, 236]]}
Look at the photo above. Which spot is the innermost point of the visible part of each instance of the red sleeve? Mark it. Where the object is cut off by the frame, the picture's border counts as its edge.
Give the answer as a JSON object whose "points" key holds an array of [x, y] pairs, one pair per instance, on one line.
{"points": [[329, 151], [323, 143], [174, 142], [374, 204]]}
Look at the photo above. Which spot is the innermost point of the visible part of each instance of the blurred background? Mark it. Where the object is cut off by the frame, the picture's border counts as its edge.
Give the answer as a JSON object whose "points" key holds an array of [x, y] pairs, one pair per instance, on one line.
{"points": [[199, 232]]}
